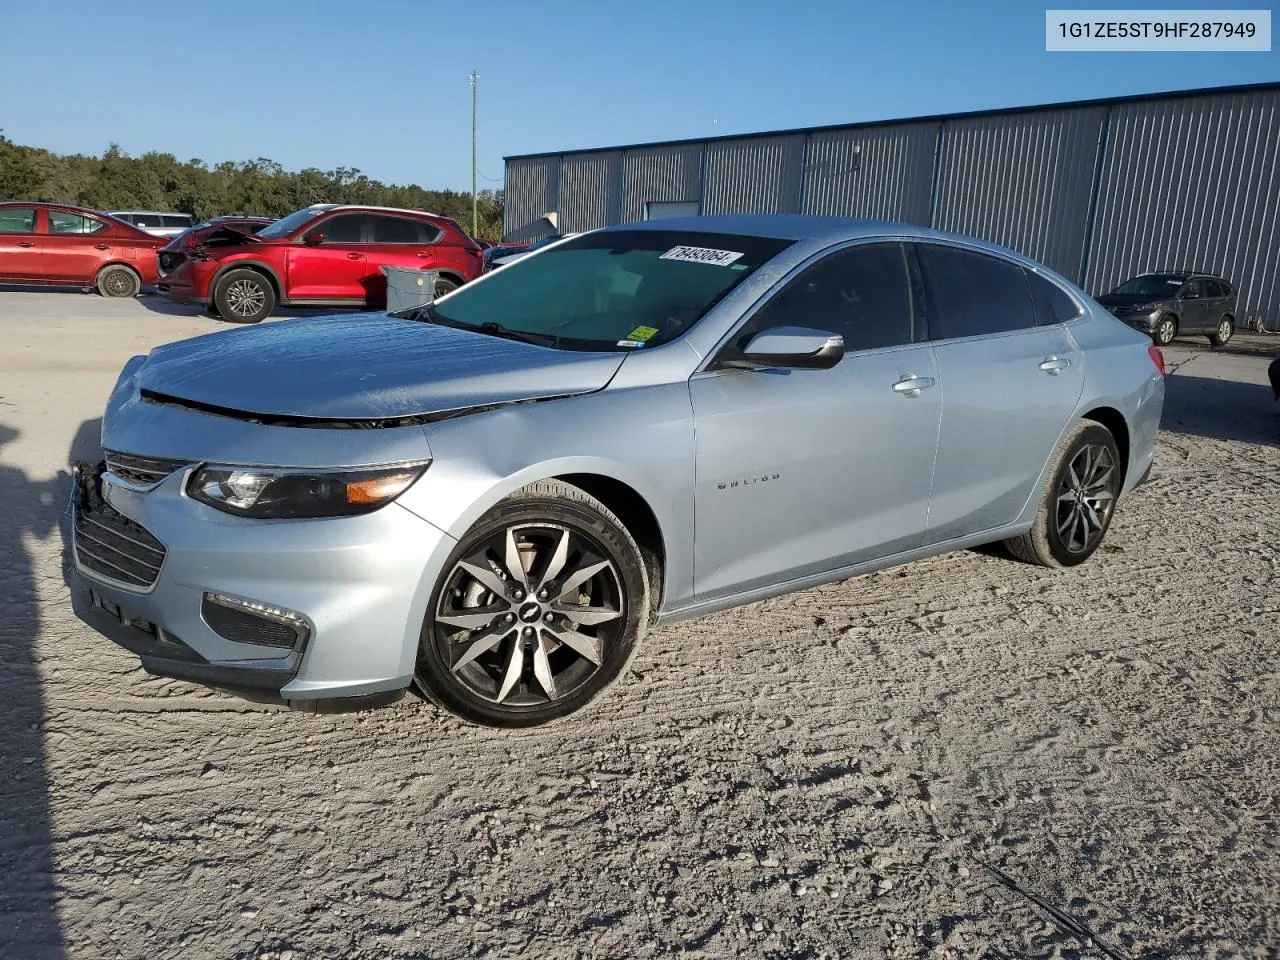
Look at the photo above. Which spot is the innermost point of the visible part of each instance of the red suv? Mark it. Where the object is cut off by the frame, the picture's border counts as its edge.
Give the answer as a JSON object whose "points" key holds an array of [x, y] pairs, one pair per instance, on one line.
{"points": [[324, 255], [58, 245]]}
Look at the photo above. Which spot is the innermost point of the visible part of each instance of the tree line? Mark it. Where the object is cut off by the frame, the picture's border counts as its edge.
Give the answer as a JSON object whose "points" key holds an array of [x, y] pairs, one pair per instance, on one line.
{"points": [[159, 181]]}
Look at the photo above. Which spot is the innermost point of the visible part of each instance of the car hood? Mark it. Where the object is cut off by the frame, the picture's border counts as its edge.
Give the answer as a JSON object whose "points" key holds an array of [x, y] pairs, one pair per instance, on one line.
{"points": [[363, 367]]}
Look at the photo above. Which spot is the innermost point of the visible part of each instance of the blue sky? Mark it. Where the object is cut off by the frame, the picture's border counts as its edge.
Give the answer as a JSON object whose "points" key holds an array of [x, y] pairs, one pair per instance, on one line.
{"points": [[383, 86]]}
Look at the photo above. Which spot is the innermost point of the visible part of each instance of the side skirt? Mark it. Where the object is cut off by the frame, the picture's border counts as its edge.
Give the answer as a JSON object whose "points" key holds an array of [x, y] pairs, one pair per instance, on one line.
{"points": [[704, 607]]}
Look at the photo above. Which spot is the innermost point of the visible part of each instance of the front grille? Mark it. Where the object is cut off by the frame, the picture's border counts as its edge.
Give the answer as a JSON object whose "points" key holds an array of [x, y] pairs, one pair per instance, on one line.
{"points": [[113, 546], [171, 261], [141, 470]]}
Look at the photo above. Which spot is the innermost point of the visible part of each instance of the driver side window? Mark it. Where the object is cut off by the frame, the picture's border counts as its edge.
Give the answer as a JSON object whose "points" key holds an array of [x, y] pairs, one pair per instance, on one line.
{"points": [[1194, 290], [862, 293]]}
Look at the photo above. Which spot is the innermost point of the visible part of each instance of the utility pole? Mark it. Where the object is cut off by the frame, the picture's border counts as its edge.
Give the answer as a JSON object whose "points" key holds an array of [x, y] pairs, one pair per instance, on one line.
{"points": [[475, 219]]}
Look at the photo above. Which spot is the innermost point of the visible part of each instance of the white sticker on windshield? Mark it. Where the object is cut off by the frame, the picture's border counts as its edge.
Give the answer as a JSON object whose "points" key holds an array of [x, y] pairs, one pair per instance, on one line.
{"points": [[718, 258]]}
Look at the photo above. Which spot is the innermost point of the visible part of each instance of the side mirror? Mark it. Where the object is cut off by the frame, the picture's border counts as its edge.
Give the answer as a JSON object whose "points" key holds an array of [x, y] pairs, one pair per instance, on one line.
{"points": [[313, 239], [793, 348]]}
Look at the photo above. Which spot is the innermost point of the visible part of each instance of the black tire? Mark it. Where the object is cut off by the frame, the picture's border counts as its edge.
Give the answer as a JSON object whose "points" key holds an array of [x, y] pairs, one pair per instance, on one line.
{"points": [[489, 667], [244, 296], [118, 281], [1073, 517], [1166, 329], [1226, 328], [445, 285]]}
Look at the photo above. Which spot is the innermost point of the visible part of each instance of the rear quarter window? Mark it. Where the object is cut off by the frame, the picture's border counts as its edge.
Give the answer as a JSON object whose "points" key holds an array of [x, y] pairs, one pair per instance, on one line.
{"points": [[1052, 303]]}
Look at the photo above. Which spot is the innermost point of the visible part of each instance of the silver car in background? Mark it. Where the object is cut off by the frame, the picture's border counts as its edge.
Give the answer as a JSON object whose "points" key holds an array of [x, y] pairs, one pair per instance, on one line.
{"points": [[494, 497]]}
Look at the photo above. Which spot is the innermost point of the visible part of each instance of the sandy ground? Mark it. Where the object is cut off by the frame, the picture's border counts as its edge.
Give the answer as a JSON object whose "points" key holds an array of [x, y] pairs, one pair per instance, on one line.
{"points": [[834, 773]]}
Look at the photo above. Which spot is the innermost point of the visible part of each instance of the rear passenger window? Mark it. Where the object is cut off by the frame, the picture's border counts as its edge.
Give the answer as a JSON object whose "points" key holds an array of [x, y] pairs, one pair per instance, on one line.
{"points": [[399, 230], [174, 220], [63, 223], [1053, 305], [862, 293], [972, 294]]}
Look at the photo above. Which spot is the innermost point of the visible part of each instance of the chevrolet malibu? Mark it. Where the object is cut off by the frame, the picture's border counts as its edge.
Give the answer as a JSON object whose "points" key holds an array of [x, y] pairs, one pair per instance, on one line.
{"points": [[493, 498]]}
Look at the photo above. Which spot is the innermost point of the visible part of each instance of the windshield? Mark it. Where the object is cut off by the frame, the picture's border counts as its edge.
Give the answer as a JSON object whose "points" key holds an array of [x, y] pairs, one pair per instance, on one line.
{"points": [[1158, 286], [612, 290], [286, 225]]}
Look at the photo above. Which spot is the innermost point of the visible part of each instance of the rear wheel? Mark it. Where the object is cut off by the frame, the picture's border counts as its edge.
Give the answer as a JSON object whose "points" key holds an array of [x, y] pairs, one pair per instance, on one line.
{"points": [[445, 285], [541, 607], [1226, 327], [244, 296], [1166, 330], [117, 280], [1077, 502]]}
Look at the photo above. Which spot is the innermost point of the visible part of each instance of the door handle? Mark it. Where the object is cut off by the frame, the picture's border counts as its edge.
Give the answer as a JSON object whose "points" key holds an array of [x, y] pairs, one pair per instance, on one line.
{"points": [[355, 256], [424, 253], [1055, 365], [102, 246], [26, 243], [911, 385]]}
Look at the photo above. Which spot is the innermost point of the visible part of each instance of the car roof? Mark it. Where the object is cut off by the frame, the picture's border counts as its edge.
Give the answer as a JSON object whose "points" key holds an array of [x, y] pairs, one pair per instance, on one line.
{"points": [[158, 213], [367, 206], [798, 227]]}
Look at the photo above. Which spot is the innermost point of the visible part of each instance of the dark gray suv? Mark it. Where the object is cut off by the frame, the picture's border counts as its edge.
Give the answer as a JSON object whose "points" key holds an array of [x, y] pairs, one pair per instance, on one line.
{"points": [[1175, 303]]}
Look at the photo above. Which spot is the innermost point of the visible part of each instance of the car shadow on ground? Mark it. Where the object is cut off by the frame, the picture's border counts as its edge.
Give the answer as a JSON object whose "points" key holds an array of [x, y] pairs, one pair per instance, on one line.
{"points": [[1221, 409], [28, 890]]}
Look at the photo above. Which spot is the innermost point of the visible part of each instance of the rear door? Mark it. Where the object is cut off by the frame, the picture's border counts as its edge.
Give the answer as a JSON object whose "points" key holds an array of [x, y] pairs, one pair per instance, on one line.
{"points": [[336, 268], [77, 247], [399, 242], [803, 471], [1009, 388], [20, 244]]}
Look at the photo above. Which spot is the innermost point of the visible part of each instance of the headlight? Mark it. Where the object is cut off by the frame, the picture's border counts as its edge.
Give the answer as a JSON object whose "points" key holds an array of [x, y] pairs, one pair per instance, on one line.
{"points": [[278, 494]]}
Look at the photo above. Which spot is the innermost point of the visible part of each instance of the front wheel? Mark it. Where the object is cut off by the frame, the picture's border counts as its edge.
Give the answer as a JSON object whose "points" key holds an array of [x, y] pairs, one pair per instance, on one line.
{"points": [[540, 608], [1166, 330], [1220, 337], [1077, 502], [244, 296]]}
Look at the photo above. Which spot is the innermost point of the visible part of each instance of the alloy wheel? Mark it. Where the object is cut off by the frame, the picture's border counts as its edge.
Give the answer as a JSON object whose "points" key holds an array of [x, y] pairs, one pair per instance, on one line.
{"points": [[245, 298], [1224, 331], [1086, 497], [1166, 332], [525, 618]]}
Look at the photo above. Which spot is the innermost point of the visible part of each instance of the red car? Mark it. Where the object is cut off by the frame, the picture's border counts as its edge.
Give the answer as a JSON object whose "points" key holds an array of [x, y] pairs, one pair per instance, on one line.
{"points": [[59, 245], [324, 255]]}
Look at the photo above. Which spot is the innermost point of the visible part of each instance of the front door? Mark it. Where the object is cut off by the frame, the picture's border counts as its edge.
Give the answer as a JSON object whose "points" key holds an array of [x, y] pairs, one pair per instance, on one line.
{"points": [[804, 471], [20, 245], [334, 269], [1010, 388], [1194, 307]]}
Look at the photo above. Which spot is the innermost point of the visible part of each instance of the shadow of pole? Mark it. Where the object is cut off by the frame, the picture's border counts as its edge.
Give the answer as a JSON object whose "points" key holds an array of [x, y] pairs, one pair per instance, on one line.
{"points": [[28, 893]]}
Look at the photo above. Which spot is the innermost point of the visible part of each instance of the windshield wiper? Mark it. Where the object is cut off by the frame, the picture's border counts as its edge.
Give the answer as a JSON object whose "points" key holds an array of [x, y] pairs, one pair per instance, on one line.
{"points": [[524, 336], [430, 314]]}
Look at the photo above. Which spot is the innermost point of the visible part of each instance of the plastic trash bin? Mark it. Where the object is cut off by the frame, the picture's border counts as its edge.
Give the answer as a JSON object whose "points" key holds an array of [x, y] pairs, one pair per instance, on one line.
{"points": [[407, 288]]}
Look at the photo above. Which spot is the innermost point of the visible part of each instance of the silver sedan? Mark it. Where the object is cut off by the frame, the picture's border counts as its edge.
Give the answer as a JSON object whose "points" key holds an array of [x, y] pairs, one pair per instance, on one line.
{"points": [[494, 497]]}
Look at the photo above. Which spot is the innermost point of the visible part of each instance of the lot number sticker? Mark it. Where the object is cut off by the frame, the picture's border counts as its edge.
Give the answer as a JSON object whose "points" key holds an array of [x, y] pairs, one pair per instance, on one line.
{"points": [[718, 258]]}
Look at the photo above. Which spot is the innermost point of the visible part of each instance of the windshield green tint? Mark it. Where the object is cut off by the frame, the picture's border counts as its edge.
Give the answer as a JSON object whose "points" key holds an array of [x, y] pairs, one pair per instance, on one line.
{"points": [[613, 290]]}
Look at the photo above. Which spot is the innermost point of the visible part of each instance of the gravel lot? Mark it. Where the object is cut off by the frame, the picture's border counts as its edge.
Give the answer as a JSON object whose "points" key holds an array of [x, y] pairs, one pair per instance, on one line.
{"points": [[925, 762]]}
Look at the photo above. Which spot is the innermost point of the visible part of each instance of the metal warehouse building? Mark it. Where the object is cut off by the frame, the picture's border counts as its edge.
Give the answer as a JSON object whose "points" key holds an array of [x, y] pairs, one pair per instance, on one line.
{"points": [[1099, 190]]}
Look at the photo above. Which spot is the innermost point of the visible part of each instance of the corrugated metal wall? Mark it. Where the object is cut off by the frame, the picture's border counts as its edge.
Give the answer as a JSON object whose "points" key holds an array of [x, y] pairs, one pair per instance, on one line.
{"points": [[883, 172], [1193, 183], [532, 190], [590, 191], [1023, 181], [660, 175], [1098, 192], [754, 175]]}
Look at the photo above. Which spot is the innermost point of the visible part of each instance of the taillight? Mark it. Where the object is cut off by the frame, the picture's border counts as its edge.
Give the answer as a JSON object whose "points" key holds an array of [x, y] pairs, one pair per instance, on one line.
{"points": [[1156, 357]]}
